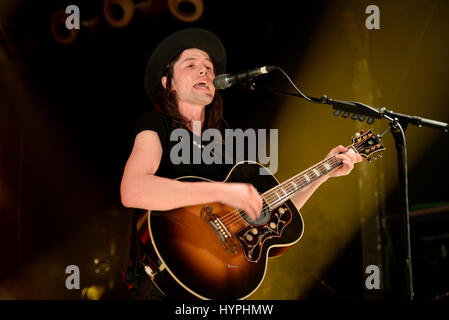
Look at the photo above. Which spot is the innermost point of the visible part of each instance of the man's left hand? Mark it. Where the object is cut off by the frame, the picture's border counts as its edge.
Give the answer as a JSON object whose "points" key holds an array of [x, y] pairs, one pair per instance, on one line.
{"points": [[348, 158]]}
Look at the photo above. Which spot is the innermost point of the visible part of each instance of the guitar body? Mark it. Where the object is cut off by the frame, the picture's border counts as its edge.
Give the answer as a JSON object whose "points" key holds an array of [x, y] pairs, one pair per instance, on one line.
{"points": [[210, 251]]}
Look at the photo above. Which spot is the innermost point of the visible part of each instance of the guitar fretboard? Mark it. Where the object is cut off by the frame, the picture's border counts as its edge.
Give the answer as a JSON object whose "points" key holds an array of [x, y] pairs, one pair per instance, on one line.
{"points": [[281, 193]]}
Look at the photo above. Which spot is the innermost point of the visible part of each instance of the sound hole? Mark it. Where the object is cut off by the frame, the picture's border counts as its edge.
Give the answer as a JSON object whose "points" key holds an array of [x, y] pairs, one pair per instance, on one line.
{"points": [[263, 218]]}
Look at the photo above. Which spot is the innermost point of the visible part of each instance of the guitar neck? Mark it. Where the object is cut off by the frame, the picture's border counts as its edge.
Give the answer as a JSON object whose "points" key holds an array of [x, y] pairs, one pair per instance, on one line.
{"points": [[284, 191]]}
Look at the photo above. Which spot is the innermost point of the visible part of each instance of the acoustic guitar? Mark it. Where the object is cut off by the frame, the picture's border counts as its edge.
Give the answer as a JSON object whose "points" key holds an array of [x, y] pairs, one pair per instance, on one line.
{"points": [[213, 251]]}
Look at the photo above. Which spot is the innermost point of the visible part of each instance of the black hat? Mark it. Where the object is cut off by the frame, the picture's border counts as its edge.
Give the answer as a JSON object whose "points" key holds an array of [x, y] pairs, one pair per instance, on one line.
{"points": [[175, 43]]}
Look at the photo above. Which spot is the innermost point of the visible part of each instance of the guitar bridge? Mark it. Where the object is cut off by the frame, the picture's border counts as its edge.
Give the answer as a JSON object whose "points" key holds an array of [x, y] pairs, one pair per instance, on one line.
{"points": [[222, 232]]}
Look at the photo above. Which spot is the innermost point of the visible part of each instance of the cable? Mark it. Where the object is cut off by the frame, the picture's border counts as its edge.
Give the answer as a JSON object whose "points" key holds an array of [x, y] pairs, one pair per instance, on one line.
{"points": [[294, 86]]}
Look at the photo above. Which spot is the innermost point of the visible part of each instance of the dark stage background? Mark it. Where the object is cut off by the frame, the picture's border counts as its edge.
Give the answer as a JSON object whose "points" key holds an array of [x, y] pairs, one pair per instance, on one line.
{"points": [[67, 114]]}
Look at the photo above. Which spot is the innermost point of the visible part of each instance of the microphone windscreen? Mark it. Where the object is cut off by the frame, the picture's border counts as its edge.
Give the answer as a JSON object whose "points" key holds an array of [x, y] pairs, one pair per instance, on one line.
{"points": [[221, 82]]}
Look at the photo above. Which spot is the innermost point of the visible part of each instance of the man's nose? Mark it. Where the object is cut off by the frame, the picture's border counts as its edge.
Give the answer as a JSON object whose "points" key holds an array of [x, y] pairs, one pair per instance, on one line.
{"points": [[203, 70]]}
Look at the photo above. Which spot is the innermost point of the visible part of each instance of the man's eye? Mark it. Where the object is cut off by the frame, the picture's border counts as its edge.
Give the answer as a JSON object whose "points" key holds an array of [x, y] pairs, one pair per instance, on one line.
{"points": [[190, 66]]}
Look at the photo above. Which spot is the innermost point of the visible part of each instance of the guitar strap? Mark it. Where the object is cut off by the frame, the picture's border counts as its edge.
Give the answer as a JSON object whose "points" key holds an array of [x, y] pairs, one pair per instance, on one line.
{"points": [[131, 275], [143, 257], [145, 251]]}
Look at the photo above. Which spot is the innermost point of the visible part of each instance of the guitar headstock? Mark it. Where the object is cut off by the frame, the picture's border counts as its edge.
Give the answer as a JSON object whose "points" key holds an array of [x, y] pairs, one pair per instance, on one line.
{"points": [[368, 145]]}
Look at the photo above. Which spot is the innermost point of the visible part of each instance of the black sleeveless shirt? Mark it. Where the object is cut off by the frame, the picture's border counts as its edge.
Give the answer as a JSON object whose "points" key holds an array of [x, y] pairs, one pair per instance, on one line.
{"points": [[162, 125]]}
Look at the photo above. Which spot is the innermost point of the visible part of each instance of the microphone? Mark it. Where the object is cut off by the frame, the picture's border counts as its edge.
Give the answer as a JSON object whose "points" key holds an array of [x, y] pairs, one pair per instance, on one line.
{"points": [[224, 81]]}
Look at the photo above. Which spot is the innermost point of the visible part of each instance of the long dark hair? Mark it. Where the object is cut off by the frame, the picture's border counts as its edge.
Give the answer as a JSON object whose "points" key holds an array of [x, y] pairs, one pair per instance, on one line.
{"points": [[167, 102]]}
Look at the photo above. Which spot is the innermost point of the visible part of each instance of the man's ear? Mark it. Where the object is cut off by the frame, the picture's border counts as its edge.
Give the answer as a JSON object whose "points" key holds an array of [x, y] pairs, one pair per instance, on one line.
{"points": [[164, 82]]}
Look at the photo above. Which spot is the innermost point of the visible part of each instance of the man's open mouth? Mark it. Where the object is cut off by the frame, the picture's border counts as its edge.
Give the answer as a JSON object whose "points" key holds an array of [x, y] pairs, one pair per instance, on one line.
{"points": [[201, 84]]}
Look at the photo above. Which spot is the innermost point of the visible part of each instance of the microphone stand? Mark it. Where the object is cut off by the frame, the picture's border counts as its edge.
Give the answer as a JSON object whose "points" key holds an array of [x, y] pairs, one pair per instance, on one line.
{"points": [[398, 124]]}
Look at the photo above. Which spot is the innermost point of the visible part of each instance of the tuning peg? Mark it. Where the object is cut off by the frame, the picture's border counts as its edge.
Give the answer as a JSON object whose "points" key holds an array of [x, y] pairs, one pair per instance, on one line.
{"points": [[370, 120], [345, 114], [380, 155], [337, 113], [357, 134], [374, 157]]}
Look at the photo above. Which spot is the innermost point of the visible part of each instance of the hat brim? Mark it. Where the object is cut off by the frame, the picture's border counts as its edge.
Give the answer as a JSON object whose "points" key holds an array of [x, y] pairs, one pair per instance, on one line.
{"points": [[175, 43]]}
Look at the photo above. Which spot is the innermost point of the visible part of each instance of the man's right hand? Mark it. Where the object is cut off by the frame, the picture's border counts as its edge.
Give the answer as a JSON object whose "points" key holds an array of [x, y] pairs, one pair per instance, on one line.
{"points": [[243, 196]]}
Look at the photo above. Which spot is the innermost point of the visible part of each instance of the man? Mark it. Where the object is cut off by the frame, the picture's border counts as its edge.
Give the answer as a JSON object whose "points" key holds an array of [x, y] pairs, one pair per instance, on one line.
{"points": [[179, 80]]}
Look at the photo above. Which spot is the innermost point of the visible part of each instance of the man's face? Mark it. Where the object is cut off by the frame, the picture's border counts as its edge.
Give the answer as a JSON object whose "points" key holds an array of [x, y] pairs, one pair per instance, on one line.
{"points": [[193, 76]]}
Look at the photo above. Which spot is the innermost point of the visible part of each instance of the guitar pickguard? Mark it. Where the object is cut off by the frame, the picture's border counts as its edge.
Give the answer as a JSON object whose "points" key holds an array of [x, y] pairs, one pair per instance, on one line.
{"points": [[253, 237]]}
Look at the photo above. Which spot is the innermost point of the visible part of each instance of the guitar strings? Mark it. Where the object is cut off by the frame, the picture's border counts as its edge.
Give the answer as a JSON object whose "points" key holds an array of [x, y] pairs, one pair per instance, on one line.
{"points": [[271, 198], [299, 179], [230, 218], [235, 215], [268, 196]]}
